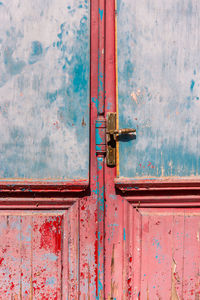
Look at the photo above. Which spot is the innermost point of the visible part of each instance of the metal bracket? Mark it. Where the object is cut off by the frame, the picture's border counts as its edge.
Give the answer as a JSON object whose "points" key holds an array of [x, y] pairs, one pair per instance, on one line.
{"points": [[111, 138]]}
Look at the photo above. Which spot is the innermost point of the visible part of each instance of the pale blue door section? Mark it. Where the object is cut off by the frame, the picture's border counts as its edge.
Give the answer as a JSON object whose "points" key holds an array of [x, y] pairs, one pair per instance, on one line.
{"points": [[44, 89], [159, 87]]}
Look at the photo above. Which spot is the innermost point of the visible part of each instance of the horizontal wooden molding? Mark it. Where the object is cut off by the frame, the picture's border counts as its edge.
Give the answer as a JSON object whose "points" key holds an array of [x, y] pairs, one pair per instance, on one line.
{"points": [[36, 203], [42, 189], [160, 192]]}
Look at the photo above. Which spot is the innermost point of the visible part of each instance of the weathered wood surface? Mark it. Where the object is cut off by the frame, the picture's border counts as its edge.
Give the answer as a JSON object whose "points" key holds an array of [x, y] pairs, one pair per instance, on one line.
{"points": [[44, 89], [158, 65]]}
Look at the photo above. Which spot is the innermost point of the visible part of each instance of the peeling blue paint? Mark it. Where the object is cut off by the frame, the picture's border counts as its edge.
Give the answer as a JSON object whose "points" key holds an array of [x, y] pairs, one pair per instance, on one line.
{"points": [[95, 101], [192, 85], [14, 67], [124, 234], [50, 256], [98, 137], [99, 165], [101, 13], [36, 52], [51, 281], [156, 243]]}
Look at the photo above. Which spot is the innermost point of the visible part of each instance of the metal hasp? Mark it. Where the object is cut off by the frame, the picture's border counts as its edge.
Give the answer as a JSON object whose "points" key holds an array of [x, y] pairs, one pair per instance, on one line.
{"points": [[111, 137]]}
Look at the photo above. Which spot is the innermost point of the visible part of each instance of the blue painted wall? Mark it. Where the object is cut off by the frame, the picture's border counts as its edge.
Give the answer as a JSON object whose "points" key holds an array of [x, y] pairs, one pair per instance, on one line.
{"points": [[159, 87], [44, 89]]}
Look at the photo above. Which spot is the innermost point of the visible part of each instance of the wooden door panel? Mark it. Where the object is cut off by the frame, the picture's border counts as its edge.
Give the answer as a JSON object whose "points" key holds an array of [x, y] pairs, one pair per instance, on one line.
{"points": [[55, 247], [44, 89], [158, 63], [39, 254], [164, 246]]}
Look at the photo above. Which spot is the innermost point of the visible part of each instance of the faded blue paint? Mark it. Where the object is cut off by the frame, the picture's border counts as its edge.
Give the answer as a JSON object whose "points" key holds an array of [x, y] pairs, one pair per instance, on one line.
{"points": [[98, 137], [100, 266], [124, 234], [100, 218], [99, 164], [158, 71], [50, 256], [13, 67], [101, 200], [192, 85], [44, 89], [51, 281], [95, 101], [156, 243], [36, 52], [101, 13]]}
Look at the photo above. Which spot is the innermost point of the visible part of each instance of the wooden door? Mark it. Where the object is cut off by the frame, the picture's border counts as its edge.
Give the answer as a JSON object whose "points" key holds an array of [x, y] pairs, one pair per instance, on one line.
{"points": [[71, 226], [50, 237], [152, 215]]}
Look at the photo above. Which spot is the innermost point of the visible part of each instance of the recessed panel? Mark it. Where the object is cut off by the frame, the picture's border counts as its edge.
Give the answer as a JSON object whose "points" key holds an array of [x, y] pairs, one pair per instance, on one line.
{"points": [[39, 254], [159, 87], [31, 255], [167, 244], [44, 89]]}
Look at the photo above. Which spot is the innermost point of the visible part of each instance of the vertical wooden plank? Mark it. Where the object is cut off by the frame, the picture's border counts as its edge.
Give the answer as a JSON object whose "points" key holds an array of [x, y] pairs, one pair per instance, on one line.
{"points": [[125, 249], [158, 254], [88, 206], [177, 253], [26, 245], [137, 242], [10, 259], [46, 257], [128, 229], [73, 251], [191, 255], [88, 249], [114, 249], [65, 258], [114, 245]]}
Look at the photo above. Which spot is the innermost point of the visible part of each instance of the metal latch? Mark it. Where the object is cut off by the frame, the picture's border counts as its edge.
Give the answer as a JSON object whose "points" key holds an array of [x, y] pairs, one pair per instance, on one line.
{"points": [[111, 137]]}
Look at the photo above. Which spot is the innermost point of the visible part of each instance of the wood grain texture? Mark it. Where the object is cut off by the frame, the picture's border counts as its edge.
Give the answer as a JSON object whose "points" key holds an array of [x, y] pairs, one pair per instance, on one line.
{"points": [[31, 254], [158, 72], [44, 89]]}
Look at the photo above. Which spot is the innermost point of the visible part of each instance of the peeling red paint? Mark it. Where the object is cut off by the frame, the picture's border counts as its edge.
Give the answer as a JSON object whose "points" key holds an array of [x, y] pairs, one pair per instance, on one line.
{"points": [[1, 260], [96, 262], [51, 235], [12, 286]]}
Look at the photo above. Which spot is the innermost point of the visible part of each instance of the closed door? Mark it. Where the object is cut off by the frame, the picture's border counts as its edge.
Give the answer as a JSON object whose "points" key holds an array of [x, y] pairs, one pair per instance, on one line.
{"points": [[76, 224], [153, 215], [48, 207]]}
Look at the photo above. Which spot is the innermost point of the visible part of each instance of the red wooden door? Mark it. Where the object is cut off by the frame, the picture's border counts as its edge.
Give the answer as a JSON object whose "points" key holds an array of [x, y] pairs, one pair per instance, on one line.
{"points": [[71, 227], [152, 196], [51, 191]]}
